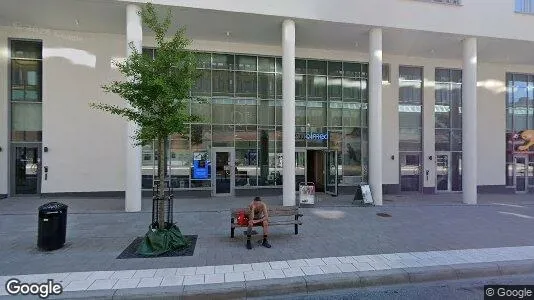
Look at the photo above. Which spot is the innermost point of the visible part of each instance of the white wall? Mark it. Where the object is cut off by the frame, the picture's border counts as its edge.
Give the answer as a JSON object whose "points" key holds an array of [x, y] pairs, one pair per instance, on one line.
{"points": [[86, 146], [474, 17]]}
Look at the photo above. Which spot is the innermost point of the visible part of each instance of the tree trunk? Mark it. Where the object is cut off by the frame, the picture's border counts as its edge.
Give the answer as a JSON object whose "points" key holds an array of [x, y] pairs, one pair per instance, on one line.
{"points": [[161, 186]]}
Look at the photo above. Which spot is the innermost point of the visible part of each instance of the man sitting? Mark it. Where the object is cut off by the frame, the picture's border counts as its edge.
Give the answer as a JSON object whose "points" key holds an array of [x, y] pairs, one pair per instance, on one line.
{"points": [[258, 214]]}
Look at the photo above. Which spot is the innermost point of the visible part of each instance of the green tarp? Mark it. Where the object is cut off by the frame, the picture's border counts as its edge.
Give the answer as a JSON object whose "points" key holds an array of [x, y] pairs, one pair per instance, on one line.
{"points": [[160, 241]]}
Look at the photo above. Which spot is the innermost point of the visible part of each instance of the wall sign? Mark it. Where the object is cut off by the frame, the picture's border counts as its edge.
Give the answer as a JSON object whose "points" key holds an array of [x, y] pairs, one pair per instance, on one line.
{"points": [[317, 136]]}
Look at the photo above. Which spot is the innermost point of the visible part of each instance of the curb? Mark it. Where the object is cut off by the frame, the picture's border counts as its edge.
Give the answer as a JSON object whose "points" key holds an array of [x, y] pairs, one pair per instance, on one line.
{"points": [[310, 283]]}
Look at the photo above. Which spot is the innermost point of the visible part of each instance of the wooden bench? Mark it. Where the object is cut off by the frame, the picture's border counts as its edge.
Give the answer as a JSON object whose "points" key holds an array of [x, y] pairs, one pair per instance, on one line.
{"points": [[278, 215]]}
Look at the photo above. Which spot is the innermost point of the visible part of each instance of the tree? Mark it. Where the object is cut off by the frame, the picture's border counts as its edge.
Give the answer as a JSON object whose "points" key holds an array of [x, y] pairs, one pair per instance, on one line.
{"points": [[157, 91]]}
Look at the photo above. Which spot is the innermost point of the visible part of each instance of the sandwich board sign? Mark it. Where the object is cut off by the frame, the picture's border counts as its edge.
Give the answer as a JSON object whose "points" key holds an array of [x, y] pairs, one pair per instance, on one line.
{"points": [[366, 193]]}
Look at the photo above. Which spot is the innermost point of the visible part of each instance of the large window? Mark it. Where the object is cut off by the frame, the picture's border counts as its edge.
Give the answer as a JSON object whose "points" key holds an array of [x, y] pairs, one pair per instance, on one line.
{"points": [[410, 127], [524, 6], [241, 107], [26, 91]]}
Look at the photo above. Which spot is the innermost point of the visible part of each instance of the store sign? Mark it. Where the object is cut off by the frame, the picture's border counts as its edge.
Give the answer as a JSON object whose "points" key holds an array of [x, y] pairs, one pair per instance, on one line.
{"points": [[317, 136]]}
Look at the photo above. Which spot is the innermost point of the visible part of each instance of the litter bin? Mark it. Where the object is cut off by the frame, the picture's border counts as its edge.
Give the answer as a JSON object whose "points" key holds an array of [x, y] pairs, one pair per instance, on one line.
{"points": [[52, 226]]}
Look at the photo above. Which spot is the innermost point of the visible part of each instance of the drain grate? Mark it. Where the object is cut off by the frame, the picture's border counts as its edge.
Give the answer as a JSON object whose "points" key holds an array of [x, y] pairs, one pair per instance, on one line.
{"points": [[385, 215]]}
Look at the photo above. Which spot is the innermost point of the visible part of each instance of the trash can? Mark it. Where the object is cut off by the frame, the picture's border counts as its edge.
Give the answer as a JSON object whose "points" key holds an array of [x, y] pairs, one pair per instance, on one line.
{"points": [[52, 226]]}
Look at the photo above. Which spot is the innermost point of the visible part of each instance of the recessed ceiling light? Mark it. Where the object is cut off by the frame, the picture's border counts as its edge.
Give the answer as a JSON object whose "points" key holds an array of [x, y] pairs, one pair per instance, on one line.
{"points": [[228, 33], [432, 51], [356, 44], [76, 22]]}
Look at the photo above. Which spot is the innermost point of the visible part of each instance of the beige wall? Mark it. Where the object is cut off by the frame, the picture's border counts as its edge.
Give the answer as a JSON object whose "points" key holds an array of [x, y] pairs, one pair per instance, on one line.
{"points": [[86, 147]]}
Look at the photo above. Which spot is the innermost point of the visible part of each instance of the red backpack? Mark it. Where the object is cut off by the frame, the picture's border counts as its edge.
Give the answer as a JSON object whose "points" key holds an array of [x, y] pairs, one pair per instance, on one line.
{"points": [[242, 219]]}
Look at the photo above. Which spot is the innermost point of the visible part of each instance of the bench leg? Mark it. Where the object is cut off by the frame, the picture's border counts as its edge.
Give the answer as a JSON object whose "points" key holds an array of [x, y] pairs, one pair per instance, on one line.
{"points": [[232, 229], [296, 226]]}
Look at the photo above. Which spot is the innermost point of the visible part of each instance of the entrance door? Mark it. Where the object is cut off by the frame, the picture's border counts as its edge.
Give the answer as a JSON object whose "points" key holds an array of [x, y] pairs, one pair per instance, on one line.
{"points": [[331, 170], [223, 174], [26, 170], [443, 174], [520, 174]]}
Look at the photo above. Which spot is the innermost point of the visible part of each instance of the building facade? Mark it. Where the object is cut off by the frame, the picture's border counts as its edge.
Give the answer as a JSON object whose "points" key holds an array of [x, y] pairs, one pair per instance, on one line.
{"points": [[405, 95]]}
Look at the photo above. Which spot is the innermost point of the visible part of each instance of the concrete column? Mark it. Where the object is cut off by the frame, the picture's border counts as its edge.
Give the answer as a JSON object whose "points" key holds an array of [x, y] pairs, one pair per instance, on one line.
{"points": [[469, 121], [375, 114], [288, 115], [134, 34]]}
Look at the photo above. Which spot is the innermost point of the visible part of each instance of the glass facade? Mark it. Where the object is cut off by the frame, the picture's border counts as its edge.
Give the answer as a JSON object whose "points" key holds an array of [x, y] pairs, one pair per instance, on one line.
{"points": [[410, 127], [519, 128], [241, 108]]}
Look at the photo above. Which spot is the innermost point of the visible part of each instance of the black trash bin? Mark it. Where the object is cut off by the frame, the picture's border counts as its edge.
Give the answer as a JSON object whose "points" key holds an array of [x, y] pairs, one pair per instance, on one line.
{"points": [[52, 226]]}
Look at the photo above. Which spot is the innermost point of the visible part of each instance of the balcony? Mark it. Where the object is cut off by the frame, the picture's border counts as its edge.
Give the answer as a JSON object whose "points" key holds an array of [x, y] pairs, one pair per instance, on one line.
{"points": [[524, 6]]}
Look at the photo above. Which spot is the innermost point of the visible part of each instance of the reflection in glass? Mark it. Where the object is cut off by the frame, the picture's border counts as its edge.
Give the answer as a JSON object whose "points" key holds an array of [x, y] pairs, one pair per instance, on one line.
{"points": [[26, 122], [246, 84], [267, 112], [26, 80], [245, 111], [27, 170], [223, 111]]}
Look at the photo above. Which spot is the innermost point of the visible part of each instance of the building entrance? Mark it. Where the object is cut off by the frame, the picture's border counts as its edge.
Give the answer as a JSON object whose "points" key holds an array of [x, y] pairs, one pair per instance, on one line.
{"points": [[26, 170]]}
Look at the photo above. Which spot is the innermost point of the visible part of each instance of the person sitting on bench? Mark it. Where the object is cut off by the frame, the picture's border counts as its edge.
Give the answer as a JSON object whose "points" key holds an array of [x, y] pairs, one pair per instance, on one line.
{"points": [[258, 214]]}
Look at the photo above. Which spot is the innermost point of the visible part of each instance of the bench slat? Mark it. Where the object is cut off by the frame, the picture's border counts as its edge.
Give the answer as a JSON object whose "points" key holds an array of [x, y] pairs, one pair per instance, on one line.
{"points": [[271, 224]]}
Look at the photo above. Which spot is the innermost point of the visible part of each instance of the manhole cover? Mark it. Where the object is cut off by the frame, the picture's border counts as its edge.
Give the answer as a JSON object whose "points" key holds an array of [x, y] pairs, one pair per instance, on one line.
{"points": [[385, 215]]}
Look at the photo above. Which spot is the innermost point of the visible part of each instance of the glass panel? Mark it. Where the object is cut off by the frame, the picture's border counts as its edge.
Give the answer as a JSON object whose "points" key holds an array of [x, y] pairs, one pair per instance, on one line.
{"points": [[352, 155], [223, 136], [335, 114], [246, 84], [26, 80], [279, 86], [456, 140], [410, 171], [26, 122], [27, 169], [351, 69], [266, 86], [300, 136], [246, 155], [300, 168], [147, 167], [245, 111], [266, 109], [443, 142], [204, 60], [410, 116], [223, 61], [300, 113], [223, 83], [316, 87], [278, 111], [180, 163], [223, 111], [246, 63], [363, 90], [278, 62], [351, 114], [456, 171], [410, 139], [351, 89], [300, 66], [520, 99], [316, 67], [202, 86], [442, 172], [520, 174], [202, 109], [26, 49], [335, 68], [334, 88], [267, 154], [317, 137], [200, 137], [300, 87], [331, 172], [364, 73], [222, 173], [266, 64], [316, 113]]}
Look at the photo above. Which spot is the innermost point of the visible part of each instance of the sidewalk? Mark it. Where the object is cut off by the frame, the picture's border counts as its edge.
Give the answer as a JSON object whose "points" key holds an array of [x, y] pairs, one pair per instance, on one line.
{"points": [[98, 231]]}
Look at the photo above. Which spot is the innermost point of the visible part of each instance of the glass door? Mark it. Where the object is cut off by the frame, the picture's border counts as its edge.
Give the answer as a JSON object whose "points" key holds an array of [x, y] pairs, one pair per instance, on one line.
{"points": [[26, 170], [223, 174], [443, 174], [331, 170], [520, 174], [410, 171]]}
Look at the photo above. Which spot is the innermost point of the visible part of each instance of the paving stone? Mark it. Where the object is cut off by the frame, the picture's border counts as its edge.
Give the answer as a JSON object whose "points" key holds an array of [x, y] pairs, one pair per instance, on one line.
{"points": [[144, 273], [193, 279], [254, 275], [103, 284], [297, 263], [292, 272], [271, 274], [150, 282], [234, 277], [242, 267], [205, 270], [123, 274], [347, 268], [279, 265], [127, 283], [172, 280], [329, 269], [214, 278], [78, 285], [186, 271], [167, 272], [261, 266], [312, 270], [224, 269]]}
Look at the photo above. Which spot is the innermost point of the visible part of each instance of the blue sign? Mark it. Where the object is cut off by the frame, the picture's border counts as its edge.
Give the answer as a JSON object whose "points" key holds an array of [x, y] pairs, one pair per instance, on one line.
{"points": [[317, 136], [201, 166]]}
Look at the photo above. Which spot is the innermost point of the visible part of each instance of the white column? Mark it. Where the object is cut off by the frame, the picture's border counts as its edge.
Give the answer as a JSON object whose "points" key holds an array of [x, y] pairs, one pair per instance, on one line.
{"points": [[134, 34], [288, 118], [375, 114], [469, 121]]}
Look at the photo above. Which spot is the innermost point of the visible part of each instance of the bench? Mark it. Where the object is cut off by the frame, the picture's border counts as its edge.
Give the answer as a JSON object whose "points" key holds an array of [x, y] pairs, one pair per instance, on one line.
{"points": [[278, 215]]}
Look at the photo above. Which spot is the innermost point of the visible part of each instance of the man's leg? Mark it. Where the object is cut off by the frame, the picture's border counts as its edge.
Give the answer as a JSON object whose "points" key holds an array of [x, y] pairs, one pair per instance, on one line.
{"points": [[265, 234]]}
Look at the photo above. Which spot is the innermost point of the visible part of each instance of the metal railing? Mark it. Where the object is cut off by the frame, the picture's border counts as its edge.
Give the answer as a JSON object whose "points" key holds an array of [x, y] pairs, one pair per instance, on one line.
{"points": [[524, 6]]}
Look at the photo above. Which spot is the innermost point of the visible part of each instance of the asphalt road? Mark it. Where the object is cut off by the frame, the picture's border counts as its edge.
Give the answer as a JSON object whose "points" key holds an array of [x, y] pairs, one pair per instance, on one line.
{"points": [[454, 290]]}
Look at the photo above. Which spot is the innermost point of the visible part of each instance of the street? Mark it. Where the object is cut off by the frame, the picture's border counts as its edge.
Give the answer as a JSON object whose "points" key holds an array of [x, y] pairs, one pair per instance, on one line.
{"points": [[472, 289]]}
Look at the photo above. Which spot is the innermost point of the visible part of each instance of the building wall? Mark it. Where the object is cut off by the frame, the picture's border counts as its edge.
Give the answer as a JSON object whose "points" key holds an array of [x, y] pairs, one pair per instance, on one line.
{"points": [[86, 146], [402, 14]]}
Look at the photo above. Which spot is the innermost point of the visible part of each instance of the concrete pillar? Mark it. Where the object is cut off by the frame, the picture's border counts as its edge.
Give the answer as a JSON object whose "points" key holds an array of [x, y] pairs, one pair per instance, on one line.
{"points": [[288, 109], [469, 121], [375, 114], [134, 34]]}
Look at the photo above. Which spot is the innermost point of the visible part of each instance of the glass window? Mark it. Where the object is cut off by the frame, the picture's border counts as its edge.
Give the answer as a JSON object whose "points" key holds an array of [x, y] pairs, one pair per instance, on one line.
{"points": [[351, 89], [246, 63], [300, 66], [246, 137], [223, 61], [279, 94], [200, 137], [179, 161], [351, 69], [365, 115], [267, 115], [410, 139], [316, 113], [300, 136], [204, 60], [278, 62], [223, 135], [335, 114], [364, 73], [300, 113], [334, 88], [223, 83], [202, 86], [246, 84], [266, 86], [335, 68], [278, 112], [266, 64], [443, 140], [267, 153], [245, 111], [26, 49], [223, 111], [26, 122], [202, 108], [352, 114], [352, 155], [300, 87], [316, 88], [26, 80], [456, 140], [316, 67], [410, 116]]}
